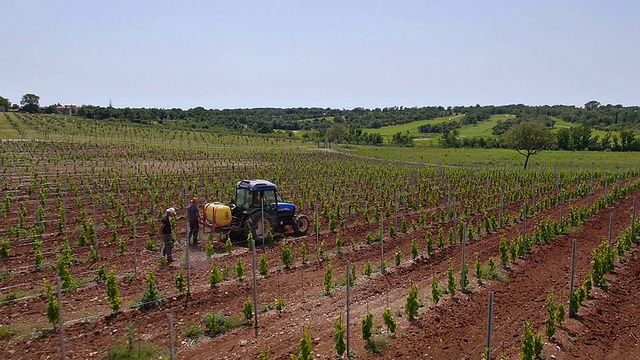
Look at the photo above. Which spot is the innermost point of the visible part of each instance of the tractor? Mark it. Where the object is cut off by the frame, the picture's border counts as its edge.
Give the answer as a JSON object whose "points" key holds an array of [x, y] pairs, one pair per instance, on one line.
{"points": [[257, 208]]}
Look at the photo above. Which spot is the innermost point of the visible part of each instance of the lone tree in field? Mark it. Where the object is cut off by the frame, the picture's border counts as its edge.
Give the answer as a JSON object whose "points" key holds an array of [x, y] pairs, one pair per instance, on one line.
{"points": [[528, 138], [30, 103]]}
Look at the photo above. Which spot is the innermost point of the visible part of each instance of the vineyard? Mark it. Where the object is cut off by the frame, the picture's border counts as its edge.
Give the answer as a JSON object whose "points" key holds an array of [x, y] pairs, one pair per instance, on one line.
{"points": [[82, 273]]}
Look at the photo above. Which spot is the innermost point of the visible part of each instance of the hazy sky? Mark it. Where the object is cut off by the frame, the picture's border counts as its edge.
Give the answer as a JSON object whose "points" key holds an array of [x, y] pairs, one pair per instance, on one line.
{"points": [[337, 54]]}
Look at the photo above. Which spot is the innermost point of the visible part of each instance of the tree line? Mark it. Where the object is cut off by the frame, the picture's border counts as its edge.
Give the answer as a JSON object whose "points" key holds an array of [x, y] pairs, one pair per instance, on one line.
{"points": [[346, 124]]}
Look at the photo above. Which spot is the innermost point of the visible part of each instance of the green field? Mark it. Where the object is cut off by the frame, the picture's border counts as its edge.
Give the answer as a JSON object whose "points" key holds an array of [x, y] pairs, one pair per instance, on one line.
{"points": [[565, 124], [483, 128], [409, 128], [502, 157]]}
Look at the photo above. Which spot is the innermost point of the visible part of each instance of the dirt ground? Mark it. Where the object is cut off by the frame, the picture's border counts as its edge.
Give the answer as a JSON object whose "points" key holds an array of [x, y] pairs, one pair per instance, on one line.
{"points": [[454, 328]]}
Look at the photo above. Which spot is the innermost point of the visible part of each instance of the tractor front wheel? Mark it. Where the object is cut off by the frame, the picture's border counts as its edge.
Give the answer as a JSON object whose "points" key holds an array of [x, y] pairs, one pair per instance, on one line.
{"points": [[301, 225]]}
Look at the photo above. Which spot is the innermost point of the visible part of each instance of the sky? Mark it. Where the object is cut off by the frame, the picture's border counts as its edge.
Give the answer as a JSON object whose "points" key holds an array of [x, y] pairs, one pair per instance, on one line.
{"points": [[328, 54]]}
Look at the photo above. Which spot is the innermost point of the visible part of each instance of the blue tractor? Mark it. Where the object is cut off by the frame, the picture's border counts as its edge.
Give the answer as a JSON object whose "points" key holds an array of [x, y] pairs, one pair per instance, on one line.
{"points": [[258, 208]]}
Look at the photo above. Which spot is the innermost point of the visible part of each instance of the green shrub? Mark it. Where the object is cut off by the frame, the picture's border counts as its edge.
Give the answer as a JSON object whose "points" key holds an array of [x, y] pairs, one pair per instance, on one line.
{"points": [[192, 331], [367, 326], [287, 255], [527, 352], [150, 245], [389, 321], [413, 303], [368, 270], [102, 275], [247, 310], [451, 280], [208, 249], [280, 304], [339, 336], [464, 277], [328, 279], [217, 323], [215, 275], [112, 291], [436, 292], [53, 307], [305, 350], [478, 270], [429, 239], [151, 296], [5, 248], [239, 268], [321, 254], [263, 267], [228, 246], [339, 243], [181, 283], [93, 254], [504, 252], [65, 274]]}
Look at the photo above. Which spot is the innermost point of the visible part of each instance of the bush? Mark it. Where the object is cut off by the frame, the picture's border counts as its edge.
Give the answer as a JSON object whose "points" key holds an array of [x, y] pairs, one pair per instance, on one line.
{"points": [[436, 292], [112, 291], [53, 307], [102, 275], [247, 310], [414, 250], [504, 252], [389, 321], [478, 270], [328, 279], [287, 255], [228, 246], [5, 248], [368, 270], [280, 304], [263, 267], [192, 331], [150, 245], [339, 336], [93, 254], [367, 325], [217, 323], [208, 250], [429, 238], [181, 283], [413, 303], [304, 352], [151, 296], [215, 276], [65, 274], [239, 268], [451, 281]]}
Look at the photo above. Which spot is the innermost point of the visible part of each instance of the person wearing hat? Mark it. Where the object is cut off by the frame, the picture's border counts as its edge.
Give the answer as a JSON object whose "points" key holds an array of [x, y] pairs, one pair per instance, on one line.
{"points": [[165, 233], [194, 221]]}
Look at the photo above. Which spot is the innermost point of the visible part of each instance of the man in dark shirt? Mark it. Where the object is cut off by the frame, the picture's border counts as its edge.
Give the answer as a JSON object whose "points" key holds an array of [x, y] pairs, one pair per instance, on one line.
{"points": [[194, 221], [165, 233]]}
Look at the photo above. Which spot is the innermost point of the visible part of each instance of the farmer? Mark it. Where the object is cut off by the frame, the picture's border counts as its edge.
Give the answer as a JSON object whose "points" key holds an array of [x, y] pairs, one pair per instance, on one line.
{"points": [[165, 233], [194, 221]]}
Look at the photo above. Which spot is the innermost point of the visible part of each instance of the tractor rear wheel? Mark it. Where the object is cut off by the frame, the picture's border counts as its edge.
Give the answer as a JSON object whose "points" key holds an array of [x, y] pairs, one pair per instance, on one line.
{"points": [[300, 225], [260, 225]]}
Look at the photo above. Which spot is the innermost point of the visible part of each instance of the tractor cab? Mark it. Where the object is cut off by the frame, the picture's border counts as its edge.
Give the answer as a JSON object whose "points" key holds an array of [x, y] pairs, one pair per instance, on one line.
{"points": [[251, 194]]}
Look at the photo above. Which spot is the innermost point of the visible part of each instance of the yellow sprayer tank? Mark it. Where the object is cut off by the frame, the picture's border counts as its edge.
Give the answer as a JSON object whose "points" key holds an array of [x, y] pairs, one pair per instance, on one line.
{"points": [[217, 213]]}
